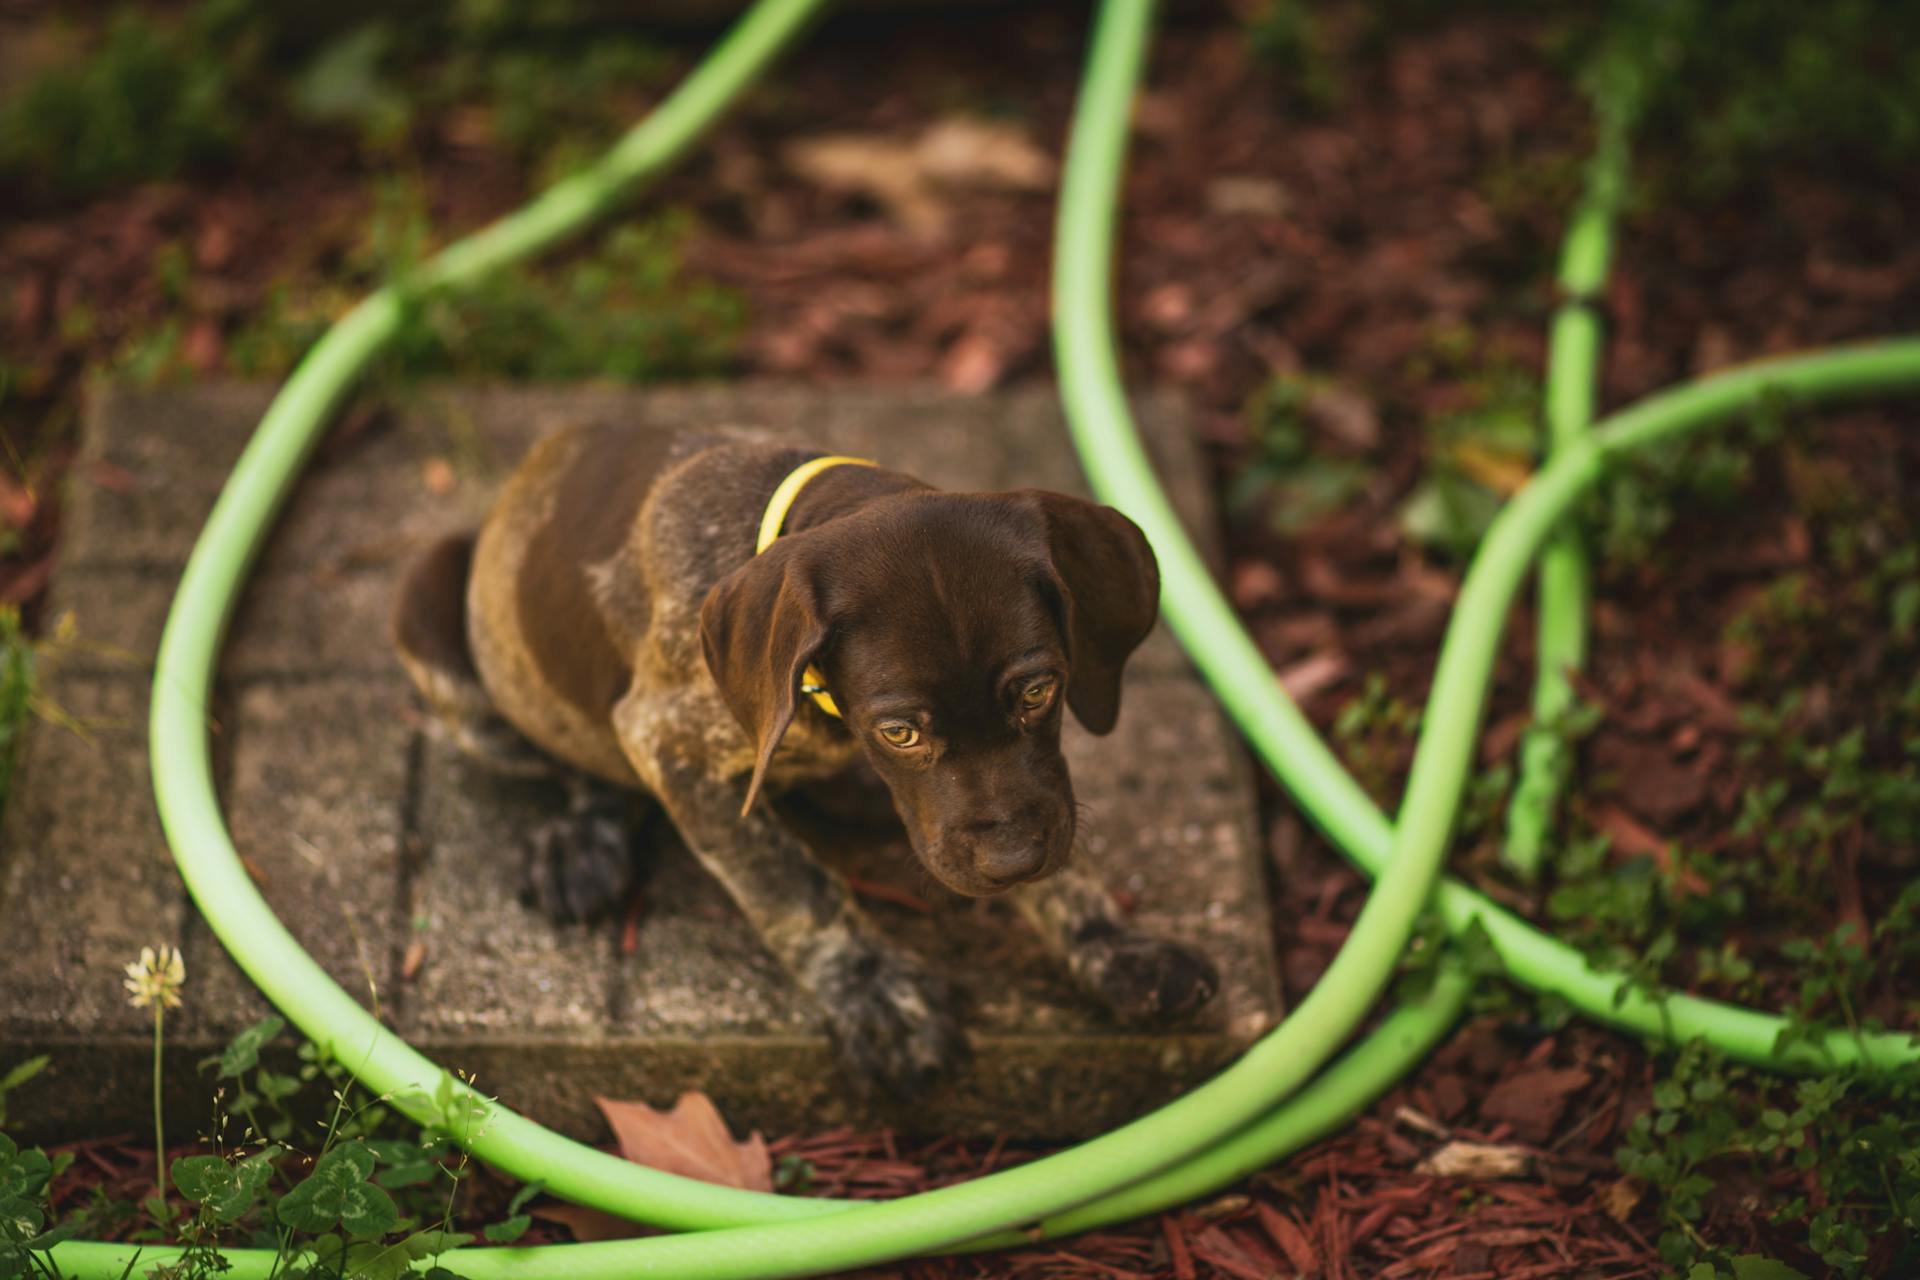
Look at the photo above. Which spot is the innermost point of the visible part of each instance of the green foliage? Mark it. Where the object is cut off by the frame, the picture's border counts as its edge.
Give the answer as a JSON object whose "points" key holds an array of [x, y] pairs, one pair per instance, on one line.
{"points": [[159, 97], [339, 1193], [625, 311], [1816, 793], [1726, 87], [355, 1211], [278, 332], [1632, 916], [20, 1072], [347, 82], [243, 1053], [223, 1189], [1293, 41], [1478, 455], [154, 100], [1631, 510], [25, 1236], [17, 664], [543, 97], [1374, 733], [794, 1175], [1295, 483], [1853, 1140]]}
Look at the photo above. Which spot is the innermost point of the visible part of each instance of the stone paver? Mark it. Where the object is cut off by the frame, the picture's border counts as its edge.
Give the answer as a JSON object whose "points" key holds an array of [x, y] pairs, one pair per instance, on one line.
{"points": [[396, 864]]}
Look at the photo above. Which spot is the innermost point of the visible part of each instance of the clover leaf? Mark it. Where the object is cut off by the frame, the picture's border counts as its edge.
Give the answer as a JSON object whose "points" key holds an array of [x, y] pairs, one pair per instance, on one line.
{"points": [[226, 1191], [22, 1173], [20, 1219], [242, 1053], [337, 1193]]}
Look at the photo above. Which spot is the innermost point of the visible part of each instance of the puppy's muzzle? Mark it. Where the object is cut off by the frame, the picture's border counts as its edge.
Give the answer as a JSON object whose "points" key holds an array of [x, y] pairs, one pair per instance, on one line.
{"points": [[992, 855], [1009, 862]]}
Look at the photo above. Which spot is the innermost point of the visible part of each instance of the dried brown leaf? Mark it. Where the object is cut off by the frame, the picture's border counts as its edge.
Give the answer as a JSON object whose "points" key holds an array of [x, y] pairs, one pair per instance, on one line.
{"points": [[1531, 1101], [691, 1140]]}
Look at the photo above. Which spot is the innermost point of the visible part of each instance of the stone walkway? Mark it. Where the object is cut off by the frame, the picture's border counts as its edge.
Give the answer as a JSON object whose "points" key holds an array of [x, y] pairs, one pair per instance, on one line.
{"points": [[395, 865]]}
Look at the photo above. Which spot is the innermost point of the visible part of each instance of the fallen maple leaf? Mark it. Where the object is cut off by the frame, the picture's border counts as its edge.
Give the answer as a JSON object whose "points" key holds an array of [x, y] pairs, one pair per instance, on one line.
{"points": [[691, 1140], [1533, 1101]]}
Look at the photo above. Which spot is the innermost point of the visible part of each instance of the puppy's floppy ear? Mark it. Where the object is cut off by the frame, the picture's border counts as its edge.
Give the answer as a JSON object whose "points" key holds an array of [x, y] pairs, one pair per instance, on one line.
{"points": [[760, 627], [1110, 584]]}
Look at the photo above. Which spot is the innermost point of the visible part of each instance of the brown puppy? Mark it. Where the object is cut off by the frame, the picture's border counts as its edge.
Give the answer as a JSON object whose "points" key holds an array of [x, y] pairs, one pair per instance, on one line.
{"points": [[612, 624]]}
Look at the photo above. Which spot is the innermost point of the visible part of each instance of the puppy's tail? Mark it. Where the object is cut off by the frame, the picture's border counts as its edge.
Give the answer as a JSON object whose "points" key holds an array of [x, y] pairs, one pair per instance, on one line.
{"points": [[430, 622]]}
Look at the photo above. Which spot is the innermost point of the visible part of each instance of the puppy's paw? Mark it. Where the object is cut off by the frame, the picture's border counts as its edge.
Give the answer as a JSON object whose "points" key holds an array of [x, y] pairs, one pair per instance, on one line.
{"points": [[580, 865], [892, 1021], [1145, 980]]}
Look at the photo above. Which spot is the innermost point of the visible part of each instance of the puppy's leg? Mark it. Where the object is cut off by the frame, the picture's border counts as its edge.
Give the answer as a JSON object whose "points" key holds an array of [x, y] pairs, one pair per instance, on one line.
{"points": [[890, 1018], [430, 635], [1141, 978], [580, 864]]}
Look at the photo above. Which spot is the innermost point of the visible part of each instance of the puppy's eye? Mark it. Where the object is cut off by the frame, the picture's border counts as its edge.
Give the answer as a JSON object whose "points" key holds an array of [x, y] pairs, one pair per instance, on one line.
{"points": [[1037, 694], [900, 735]]}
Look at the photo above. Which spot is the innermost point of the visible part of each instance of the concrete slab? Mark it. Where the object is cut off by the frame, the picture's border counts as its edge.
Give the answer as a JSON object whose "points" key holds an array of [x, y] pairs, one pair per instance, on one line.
{"points": [[317, 797], [397, 865]]}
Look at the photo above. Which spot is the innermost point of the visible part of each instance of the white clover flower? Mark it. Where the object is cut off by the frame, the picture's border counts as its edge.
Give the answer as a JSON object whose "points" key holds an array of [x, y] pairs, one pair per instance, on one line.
{"points": [[154, 978]]}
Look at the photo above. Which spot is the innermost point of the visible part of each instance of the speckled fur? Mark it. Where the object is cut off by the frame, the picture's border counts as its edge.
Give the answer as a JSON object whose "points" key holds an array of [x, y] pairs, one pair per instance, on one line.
{"points": [[670, 733]]}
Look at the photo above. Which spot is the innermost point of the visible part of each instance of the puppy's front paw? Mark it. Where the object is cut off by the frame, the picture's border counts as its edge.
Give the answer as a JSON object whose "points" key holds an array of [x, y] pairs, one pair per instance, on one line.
{"points": [[1142, 979], [892, 1020], [580, 865]]}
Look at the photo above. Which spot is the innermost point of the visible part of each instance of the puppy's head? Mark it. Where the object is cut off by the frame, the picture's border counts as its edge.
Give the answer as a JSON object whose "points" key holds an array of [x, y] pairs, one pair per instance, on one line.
{"points": [[951, 629]]}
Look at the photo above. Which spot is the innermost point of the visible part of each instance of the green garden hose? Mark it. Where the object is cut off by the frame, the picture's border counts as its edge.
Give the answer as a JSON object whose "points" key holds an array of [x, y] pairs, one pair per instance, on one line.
{"points": [[1219, 1131], [1573, 377]]}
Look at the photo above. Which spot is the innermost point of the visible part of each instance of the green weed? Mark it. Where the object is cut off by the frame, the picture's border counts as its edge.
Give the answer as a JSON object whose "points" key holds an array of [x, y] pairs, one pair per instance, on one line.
{"points": [[543, 97], [626, 311], [16, 1076], [1727, 88], [1296, 484], [279, 331], [1375, 733], [1845, 1147], [358, 1191], [1476, 456], [1631, 511], [154, 100], [1290, 39], [18, 660]]}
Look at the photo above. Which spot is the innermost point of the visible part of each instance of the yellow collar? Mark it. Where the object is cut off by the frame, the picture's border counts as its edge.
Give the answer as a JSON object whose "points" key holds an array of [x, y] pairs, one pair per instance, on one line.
{"points": [[812, 683]]}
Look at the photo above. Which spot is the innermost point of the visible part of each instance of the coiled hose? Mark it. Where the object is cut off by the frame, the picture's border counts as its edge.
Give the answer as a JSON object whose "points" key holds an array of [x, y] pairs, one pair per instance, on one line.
{"points": [[1246, 1117]]}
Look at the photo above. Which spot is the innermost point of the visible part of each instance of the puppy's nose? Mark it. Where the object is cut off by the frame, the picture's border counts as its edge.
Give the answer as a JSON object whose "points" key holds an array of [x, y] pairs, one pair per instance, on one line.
{"points": [[1006, 863]]}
